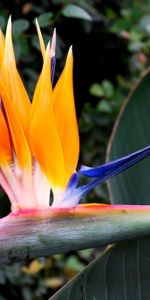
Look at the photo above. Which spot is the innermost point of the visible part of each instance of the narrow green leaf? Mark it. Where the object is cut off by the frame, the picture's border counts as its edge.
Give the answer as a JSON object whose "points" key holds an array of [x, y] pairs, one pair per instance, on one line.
{"points": [[121, 273], [130, 133]]}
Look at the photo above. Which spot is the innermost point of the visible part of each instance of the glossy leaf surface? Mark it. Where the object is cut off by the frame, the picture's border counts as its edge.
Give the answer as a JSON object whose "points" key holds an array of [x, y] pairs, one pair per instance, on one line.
{"points": [[131, 132], [121, 273]]}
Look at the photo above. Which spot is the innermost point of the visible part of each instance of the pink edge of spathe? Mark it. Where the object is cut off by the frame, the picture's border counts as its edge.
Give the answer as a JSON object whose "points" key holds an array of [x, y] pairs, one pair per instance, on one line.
{"points": [[78, 211]]}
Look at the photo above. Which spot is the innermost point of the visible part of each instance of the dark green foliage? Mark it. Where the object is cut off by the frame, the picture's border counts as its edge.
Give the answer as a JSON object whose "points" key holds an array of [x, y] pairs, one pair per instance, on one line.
{"points": [[130, 135], [122, 272]]}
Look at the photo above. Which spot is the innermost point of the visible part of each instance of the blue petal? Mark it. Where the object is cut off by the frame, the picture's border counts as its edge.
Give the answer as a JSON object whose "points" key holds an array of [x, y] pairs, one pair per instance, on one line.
{"points": [[53, 65], [73, 182], [70, 198], [116, 166], [108, 170]]}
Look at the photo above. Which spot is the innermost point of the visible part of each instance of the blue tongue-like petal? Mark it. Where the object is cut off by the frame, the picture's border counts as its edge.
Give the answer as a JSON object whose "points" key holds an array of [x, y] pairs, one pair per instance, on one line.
{"points": [[53, 56], [53, 64], [102, 173], [108, 170], [73, 182], [116, 166]]}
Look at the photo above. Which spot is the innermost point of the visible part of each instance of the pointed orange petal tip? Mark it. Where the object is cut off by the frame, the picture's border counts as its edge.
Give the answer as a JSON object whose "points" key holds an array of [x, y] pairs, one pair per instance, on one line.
{"points": [[63, 101], [12, 81], [5, 147], [18, 138], [41, 41], [2, 46], [70, 52], [8, 52], [70, 56], [48, 153]]}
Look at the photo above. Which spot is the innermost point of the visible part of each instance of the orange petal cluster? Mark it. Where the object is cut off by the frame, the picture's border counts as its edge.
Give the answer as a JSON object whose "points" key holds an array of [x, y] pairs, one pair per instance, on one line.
{"points": [[44, 129]]}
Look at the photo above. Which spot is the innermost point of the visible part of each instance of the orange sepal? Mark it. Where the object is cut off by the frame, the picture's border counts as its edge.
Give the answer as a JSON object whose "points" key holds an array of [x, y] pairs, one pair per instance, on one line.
{"points": [[65, 116], [5, 147], [2, 46], [13, 82], [41, 41], [44, 139], [17, 134]]}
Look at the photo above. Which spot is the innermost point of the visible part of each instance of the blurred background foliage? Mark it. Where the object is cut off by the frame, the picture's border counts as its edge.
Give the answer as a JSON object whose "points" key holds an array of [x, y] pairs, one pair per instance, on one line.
{"points": [[111, 45]]}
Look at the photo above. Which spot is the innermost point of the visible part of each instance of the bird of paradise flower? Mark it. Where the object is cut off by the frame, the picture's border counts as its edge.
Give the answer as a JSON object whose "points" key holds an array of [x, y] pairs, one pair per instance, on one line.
{"points": [[39, 141]]}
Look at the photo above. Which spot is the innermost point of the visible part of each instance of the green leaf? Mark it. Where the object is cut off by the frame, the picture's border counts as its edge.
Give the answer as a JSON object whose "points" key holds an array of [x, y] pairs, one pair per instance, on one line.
{"points": [[19, 26], [104, 106], [121, 273], [44, 19], [74, 11], [74, 264], [108, 88], [144, 23], [121, 25], [96, 90], [136, 35], [104, 89], [135, 46], [130, 133]]}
